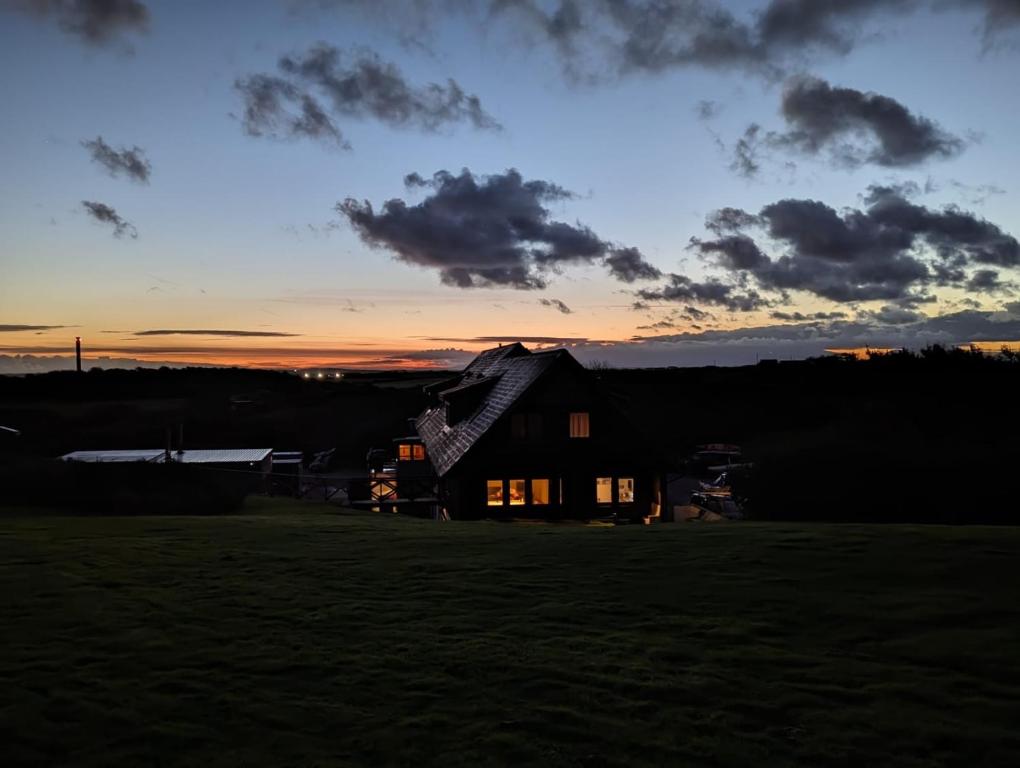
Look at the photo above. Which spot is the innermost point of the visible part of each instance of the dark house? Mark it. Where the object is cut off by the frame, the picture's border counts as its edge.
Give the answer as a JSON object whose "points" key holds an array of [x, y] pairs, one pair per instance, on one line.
{"points": [[532, 434]]}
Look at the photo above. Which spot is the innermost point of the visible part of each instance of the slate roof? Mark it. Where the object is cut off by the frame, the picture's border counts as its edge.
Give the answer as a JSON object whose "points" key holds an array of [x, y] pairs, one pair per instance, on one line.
{"points": [[510, 370]]}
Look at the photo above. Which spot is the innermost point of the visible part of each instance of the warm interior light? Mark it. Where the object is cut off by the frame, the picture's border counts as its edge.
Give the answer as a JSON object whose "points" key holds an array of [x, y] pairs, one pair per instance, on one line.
{"points": [[625, 486], [516, 492], [494, 493], [540, 492]]}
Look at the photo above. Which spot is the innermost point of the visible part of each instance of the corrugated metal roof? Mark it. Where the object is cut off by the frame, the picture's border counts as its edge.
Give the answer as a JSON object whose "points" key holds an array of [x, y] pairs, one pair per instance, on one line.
{"points": [[221, 455], [156, 456], [514, 369]]}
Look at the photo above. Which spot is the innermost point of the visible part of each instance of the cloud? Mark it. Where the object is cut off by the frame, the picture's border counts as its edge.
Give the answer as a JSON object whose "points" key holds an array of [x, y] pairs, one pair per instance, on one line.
{"points": [[196, 332], [857, 128], [681, 288], [745, 152], [131, 162], [105, 214], [315, 90], [706, 109], [543, 340], [596, 39], [893, 250], [487, 231], [629, 265], [556, 304], [96, 22], [19, 328], [638, 36], [800, 317]]}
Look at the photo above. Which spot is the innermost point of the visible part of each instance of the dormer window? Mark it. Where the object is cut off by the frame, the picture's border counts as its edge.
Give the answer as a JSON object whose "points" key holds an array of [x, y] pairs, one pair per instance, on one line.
{"points": [[579, 424], [410, 452]]}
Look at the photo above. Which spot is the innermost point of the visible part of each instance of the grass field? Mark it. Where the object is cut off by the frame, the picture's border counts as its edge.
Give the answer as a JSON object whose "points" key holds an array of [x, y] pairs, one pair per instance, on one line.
{"points": [[303, 637]]}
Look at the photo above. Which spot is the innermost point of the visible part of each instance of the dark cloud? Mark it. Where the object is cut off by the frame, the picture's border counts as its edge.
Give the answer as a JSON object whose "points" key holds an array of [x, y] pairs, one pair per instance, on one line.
{"points": [[603, 38], [1000, 16], [987, 281], [706, 109], [105, 214], [131, 162], [18, 328], [801, 317], [746, 151], [315, 90], [96, 22], [892, 250], [556, 304], [891, 314], [197, 332], [629, 265], [714, 292], [821, 117], [486, 231], [544, 340]]}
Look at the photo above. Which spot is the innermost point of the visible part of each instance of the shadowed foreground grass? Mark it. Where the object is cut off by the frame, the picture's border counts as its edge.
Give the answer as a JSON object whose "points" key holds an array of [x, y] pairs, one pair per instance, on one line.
{"points": [[299, 637]]}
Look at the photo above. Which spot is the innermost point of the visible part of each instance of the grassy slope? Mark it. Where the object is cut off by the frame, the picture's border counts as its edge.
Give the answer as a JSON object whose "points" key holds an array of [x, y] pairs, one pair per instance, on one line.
{"points": [[322, 639]]}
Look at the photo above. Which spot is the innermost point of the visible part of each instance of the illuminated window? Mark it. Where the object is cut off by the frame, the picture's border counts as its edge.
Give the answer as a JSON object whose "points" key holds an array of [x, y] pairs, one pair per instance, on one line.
{"points": [[404, 452], [625, 487], [579, 425], [604, 490], [494, 490], [419, 452], [516, 492], [539, 491]]}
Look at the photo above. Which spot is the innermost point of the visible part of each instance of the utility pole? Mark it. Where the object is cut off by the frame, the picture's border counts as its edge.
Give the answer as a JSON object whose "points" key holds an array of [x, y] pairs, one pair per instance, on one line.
{"points": [[77, 353]]}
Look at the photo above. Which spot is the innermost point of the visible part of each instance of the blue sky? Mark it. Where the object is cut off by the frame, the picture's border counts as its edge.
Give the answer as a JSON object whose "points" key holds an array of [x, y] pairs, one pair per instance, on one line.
{"points": [[237, 232]]}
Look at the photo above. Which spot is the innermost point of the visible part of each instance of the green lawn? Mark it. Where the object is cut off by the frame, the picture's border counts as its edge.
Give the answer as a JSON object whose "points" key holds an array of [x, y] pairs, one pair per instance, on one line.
{"points": [[305, 637]]}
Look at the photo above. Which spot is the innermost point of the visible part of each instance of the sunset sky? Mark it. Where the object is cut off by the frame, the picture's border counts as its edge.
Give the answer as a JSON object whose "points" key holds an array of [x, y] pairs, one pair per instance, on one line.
{"points": [[377, 184]]}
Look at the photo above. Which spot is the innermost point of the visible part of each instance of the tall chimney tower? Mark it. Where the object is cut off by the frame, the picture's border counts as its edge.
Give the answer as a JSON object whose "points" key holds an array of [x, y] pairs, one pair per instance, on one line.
{"points": [[77, 353]]}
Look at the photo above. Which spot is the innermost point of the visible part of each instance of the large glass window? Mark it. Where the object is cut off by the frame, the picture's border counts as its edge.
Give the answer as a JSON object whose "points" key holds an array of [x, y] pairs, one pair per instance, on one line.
{"points": [[626, 490], [494, 489], [579, 425], [516, 492], [539, 491], [604, 490]]}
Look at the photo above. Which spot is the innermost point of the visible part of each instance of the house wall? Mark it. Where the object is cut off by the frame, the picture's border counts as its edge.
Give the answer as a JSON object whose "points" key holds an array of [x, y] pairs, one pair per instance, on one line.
{"points": [[614, 449]]}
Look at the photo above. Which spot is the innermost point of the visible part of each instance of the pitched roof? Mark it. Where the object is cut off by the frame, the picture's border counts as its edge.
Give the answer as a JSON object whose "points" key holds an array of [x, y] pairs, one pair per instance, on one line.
{"points": [[508, 371]]}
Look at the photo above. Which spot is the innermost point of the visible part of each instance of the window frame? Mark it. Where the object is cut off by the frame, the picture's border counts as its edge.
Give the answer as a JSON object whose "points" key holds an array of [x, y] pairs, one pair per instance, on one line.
{"points": [[633, 490], [502, 493], [548, 491], [524, 492]]}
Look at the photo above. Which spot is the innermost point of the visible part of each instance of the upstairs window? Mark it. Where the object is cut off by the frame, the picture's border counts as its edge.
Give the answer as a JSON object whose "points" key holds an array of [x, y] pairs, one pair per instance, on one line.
{"points": [[526, 426], [404, 452], [418, 452], [579, 424]]}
